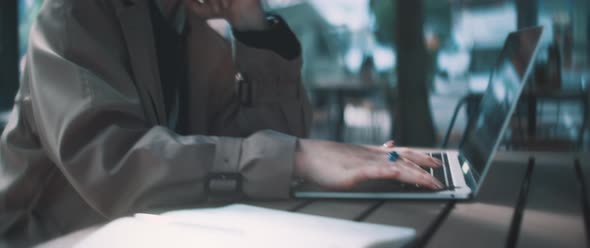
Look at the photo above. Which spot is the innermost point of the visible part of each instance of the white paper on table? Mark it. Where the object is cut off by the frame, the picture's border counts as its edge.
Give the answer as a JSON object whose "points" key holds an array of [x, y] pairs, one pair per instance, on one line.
{"points": [[241, 225]]}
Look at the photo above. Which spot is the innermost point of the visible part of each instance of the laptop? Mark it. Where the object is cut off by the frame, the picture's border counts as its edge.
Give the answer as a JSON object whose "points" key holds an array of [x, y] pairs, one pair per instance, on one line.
{"points": [[465, 169]]}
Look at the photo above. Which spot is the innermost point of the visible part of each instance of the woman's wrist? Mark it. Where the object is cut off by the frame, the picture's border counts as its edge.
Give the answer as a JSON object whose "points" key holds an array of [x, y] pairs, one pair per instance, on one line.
{"points": [[298, 163]]}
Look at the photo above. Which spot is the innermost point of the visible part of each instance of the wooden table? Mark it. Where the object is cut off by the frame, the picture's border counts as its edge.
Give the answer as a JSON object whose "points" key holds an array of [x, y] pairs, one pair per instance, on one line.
{"points": [[524, 202]]}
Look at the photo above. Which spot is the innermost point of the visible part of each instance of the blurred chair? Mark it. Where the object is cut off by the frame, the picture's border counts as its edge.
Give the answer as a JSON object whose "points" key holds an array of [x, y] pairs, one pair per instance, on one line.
{"points": [[471, 101]]}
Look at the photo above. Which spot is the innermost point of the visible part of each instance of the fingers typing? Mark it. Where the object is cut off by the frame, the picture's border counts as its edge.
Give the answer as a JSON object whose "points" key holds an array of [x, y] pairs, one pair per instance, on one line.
{"points": [[420, 158], [402, 171], [412, 173]]}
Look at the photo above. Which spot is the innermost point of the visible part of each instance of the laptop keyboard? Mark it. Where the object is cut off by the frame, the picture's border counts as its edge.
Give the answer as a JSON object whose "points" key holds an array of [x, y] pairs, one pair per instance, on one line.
{"points": [[443, 173]]}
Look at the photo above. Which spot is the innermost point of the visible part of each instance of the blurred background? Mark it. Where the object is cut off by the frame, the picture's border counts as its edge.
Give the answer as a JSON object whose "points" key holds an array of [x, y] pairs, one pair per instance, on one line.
{"points": [[391, 69]]}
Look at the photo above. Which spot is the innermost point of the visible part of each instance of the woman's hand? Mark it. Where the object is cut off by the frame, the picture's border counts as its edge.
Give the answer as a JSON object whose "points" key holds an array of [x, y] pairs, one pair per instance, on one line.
{"points": [[242, 15], [342, 166]]}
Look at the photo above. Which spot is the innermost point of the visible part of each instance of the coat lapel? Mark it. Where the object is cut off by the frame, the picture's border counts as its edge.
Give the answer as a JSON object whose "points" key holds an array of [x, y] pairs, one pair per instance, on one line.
{"points": [[137, 30]]}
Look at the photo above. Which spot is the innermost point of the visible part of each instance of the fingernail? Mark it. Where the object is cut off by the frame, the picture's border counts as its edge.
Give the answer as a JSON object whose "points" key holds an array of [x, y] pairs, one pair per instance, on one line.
{"points": [[434, 186], [437, 161]]}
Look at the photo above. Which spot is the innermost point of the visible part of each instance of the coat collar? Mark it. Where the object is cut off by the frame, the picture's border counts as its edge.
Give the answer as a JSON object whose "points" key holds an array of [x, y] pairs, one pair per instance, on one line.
{"points": [[136, 26]]}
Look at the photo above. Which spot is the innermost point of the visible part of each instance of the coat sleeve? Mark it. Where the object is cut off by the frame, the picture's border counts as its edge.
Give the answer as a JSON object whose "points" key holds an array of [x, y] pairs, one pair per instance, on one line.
{"points": [[269, 96], [89, 119]]}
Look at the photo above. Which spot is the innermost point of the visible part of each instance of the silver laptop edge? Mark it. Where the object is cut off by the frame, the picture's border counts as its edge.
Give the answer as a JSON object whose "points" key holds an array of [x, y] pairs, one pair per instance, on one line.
{"points": [[524, 79]]}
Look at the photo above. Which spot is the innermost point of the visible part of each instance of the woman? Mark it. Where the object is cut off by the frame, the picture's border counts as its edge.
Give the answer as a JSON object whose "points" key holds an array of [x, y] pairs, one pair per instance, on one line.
{"points": [[129, 105]]}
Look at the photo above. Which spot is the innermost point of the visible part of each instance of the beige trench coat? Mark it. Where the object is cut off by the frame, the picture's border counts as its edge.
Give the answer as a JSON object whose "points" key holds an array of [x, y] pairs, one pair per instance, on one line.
{"points": [[87, 140]]}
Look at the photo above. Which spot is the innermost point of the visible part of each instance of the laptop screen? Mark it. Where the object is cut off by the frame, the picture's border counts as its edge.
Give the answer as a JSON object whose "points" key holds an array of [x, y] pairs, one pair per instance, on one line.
{"points": [[499, 100]]}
